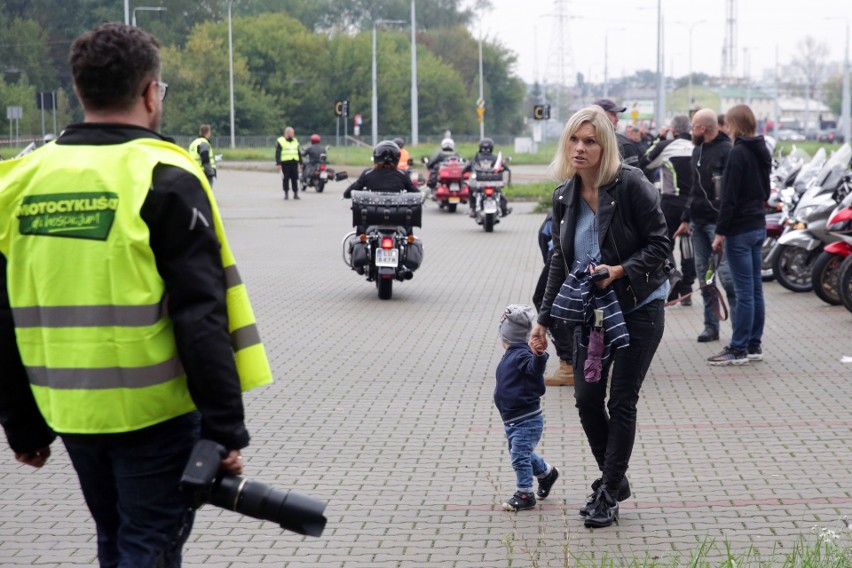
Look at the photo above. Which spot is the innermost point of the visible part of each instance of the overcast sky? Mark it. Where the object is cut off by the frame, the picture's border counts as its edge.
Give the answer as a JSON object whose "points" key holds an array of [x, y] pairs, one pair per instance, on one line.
{"points": [[530, 28]]}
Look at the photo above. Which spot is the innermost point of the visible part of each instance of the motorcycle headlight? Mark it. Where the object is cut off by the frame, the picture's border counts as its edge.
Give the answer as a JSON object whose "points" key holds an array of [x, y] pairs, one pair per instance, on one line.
{"points": [[803, 215]]}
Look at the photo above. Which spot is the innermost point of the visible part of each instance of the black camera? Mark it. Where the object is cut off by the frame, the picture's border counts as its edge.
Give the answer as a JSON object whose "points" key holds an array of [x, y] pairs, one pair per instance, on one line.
{"points": [[600, 275], [201, 483]]}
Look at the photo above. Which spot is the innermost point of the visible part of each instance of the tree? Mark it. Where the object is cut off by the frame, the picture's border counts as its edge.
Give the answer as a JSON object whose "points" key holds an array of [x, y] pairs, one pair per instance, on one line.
{"points": [[833, 91], [810, 62]]}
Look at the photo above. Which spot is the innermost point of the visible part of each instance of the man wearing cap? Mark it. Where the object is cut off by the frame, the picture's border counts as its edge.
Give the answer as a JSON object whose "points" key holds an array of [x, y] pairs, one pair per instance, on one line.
{"points": [[627, 148]]}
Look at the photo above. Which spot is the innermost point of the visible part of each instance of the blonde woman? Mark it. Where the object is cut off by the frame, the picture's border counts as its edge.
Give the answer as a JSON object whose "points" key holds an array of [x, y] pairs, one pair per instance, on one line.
{"points": [[610, 212]]}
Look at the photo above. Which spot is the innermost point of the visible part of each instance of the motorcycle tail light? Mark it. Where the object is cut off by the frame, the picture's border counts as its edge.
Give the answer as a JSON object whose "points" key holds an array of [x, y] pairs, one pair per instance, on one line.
{"points": [[322, 166], [387, 243], [489, 191]]}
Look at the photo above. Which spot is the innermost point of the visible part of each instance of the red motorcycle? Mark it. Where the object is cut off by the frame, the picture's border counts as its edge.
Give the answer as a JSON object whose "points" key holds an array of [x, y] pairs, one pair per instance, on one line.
{"points": [[451, 188]]}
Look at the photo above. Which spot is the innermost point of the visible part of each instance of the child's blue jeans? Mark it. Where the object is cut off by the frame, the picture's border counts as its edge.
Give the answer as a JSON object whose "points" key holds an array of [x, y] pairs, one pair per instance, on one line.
{"points": [[523, 437]]}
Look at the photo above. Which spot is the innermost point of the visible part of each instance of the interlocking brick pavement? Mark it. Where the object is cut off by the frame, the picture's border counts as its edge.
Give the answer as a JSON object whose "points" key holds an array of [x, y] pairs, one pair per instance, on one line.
{"points": [[383, 408]]}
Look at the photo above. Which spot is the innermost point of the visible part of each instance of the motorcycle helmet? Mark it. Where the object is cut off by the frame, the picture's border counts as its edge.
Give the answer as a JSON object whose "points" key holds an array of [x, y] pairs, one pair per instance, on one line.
{"points": [[399, 142], [315, 138], [448, 145], [386, 152], [486, 146]]}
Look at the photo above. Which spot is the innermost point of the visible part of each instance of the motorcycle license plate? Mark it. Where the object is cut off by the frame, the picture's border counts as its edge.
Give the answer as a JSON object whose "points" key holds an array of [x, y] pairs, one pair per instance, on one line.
{"points": [[489, 207], [387, 258], [324, 176], [455, 200]]}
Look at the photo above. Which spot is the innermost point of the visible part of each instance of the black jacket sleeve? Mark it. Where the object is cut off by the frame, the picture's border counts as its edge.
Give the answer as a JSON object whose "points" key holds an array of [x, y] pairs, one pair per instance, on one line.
{"points": [[24, 425], [557, 273], [178, 214], [277, 154]]}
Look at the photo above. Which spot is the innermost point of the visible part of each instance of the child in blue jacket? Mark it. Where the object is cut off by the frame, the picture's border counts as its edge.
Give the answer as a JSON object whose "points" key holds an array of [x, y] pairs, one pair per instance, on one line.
{"points": [[520, 386]]}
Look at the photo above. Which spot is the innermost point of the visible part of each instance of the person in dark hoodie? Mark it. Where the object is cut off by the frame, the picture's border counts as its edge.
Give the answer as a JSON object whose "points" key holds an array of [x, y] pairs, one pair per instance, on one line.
{"points": [[520, 386], [709, 158], [741, 228]]}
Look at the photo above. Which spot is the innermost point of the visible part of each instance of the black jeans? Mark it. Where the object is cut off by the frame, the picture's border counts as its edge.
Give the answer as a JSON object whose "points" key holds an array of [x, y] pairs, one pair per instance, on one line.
{"points": [[290, 172], [611, 434]]}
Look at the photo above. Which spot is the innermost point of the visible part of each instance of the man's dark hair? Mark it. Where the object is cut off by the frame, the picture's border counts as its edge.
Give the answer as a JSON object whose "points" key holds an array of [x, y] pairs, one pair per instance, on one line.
{"points": [[111, 63]]}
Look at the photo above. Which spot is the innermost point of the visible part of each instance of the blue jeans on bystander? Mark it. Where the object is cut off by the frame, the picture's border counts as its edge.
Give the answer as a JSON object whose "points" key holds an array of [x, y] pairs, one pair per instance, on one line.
{"points": [[523, 437], [744, 258], [702, 238]]}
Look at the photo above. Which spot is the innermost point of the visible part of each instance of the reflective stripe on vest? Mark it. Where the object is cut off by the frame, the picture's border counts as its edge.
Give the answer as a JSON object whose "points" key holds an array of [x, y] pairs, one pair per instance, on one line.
{"points": [[98, 367], [196, 154], [289, 150]]}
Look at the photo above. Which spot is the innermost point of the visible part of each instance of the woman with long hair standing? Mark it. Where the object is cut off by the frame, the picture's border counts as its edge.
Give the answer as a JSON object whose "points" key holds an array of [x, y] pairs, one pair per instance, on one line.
{"points": [[741, 229], [609, 212]]}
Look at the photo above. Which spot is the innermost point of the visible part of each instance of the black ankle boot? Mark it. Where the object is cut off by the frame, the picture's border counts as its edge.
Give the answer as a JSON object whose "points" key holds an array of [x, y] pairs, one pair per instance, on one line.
{"points": [[603, 511], [622, 494]]}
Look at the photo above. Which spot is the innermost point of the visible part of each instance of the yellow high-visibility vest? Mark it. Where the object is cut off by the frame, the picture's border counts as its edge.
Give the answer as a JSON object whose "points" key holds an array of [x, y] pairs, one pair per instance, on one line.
{"points": [[196, 154], [88, 302], [289, 149]]}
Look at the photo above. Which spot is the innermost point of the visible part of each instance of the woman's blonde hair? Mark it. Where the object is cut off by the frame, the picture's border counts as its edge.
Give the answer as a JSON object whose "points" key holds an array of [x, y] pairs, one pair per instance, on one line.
{"points": [[740, 121], [610, 163]]}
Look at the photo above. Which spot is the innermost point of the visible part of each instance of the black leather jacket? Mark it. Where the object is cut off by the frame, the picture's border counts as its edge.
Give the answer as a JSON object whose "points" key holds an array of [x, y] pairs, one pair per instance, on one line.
{"points": [[632, 233]]}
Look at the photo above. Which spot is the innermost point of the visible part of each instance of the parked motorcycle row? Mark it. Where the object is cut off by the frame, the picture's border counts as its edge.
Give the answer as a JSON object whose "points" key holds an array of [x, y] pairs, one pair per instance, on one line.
{"points": [[809, 225], [387, 250]]}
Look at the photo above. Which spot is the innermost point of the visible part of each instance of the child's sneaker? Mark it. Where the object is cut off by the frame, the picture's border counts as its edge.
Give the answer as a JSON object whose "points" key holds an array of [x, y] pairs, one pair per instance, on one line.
{"points": [[519, 502], [545, 484], [755, 353]]}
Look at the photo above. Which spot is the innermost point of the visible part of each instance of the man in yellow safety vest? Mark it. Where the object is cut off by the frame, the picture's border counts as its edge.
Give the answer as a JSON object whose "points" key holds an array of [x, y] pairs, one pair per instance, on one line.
{"points": [[124, 326]]}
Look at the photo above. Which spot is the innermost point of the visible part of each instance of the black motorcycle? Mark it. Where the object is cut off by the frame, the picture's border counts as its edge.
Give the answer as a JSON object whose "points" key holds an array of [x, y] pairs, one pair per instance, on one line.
{"points": [[321, 174], [387, 249], [486, 189]]}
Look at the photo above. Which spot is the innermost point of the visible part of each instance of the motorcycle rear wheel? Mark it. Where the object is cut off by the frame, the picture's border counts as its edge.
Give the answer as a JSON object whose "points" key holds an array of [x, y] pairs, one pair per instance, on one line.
{"points": [[451, 207], [385, 286], [320, 186], [824, 277], [792, 267], [488, 223], [844, 283]]}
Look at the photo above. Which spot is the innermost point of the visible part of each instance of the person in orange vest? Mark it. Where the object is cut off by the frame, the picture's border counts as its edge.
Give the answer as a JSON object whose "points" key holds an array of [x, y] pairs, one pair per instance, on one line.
{"points": [[405, 160]]}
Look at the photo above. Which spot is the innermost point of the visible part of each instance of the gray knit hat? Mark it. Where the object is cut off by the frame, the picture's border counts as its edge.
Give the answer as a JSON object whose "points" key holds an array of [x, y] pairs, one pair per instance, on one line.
{"points": [[516, 323]]}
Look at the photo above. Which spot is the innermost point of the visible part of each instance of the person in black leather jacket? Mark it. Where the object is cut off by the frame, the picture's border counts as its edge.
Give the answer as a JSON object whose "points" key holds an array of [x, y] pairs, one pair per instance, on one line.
{"points": [[609, 211], [313, 155]]}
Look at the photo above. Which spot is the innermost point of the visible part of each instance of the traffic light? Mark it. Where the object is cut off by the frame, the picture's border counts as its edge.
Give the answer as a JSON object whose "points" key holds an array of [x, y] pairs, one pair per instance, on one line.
{"points": [[541, 112], [341, 108]]}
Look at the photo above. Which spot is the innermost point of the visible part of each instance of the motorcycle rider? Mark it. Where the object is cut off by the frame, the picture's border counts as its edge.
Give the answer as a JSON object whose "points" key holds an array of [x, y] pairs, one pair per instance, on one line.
{"points": [[384, 176], [448, 150], [405, 160], [485, 160], [313, 156]]}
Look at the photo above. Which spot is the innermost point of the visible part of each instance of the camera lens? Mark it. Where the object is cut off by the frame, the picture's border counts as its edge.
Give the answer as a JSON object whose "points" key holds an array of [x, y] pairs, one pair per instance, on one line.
{"points": [[292, 511]]}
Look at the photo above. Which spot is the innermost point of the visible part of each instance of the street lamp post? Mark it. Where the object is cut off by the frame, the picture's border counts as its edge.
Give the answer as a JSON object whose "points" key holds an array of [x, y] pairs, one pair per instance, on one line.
{"points": [[375, 101], [846, 103], [126, 12], [231, 72], [660, 115], [415, 135], [689, 89], [146, 9]]}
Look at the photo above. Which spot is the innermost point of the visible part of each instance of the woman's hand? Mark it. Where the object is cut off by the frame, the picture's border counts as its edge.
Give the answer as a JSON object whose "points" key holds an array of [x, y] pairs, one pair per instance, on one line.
{"points": [[718, 241], [538, 339], [615, 272]]}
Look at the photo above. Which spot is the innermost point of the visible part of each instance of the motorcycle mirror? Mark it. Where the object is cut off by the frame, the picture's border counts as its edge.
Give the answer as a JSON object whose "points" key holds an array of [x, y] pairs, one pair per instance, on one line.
{"points": [[508, 158], [217, 157], [424, 159]]}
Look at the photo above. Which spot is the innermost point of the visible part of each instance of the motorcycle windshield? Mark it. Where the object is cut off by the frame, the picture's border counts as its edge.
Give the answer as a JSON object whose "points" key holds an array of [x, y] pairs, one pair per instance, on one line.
{"points": [[832, 172], [809, 169]]}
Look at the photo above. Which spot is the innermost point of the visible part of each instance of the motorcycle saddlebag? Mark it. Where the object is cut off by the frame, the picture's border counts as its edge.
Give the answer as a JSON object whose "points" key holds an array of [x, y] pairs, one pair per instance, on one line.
{"points": [[359, 255], [376, 208], [414, 255]]}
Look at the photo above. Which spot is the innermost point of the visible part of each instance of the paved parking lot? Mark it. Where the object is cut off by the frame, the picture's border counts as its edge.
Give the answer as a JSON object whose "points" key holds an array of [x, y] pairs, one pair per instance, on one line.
{"points": [[383, 408]]}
